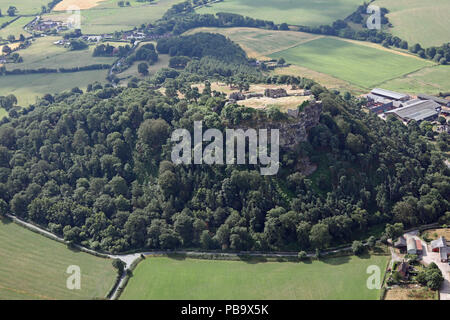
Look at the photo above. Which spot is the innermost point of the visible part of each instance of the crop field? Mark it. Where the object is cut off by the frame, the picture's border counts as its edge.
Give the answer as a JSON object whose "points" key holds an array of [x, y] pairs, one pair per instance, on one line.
{"points": [[358, 64], [16, 28], [28, 87], [82, 4], [107, 16], [295, 12], [419, 21], [24, 7], [44, 54], [259, 42], [334, 278], [34, 267]]}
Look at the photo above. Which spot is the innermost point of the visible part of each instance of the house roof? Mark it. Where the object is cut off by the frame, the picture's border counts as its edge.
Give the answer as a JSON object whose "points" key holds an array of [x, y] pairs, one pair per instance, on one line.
{"points": [[417, 110], [439, 243], [389, 94]]}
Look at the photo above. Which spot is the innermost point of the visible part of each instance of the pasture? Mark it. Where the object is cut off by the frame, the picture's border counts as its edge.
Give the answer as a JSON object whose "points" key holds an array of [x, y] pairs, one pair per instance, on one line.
{"points": [[3, 113], [107, 16], [361, 65], [259, 42], [28, 87], [430, 80], [295, 12], [419, 21], [16, 28], [33, 267], [24, 7], [163, 62], [334, 278], [42, 53]]}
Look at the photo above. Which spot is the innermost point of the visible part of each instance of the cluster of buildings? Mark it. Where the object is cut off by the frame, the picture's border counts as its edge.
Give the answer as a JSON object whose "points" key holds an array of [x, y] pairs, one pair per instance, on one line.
{"points": [[410, 245], [405, 107], [46, 25]]}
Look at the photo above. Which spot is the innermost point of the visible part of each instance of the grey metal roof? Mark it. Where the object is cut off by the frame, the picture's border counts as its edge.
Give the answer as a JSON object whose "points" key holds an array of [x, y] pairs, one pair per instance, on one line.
{"points": [[418, 110], [435, 99], [439, 243], [411, 244], [444, 253], [389, 94]]}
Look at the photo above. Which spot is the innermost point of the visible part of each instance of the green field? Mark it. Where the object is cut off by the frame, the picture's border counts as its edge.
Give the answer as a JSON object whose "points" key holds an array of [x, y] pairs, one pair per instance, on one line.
{"points": [[16, 28], [296, 12], [361, 65], [335, 278], [260, 42], [34, 267], [108, 17], [3, 113], [419, 21], [28, 87], [44, 54], [163, 62], [24, 7], [428, 80]]}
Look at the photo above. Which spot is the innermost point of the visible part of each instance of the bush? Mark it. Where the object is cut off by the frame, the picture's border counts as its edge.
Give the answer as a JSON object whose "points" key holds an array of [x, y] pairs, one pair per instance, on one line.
{"points": [[357, 247]]}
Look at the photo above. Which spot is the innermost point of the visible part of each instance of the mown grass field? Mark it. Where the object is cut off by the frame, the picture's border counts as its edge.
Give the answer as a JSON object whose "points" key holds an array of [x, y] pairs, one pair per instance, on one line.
{"points": [[296, 12], [34, 267], [428, 80], [108, 17], [258, 42], [24, 7], [361, 65], [335, 278], [44, 54], [419, 21], [16, 28], [28, 87]]}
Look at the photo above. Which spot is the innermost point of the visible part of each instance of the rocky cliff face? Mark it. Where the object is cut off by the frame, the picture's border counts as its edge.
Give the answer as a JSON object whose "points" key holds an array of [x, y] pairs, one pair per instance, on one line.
{"points": [[295, 130], [293, 133]]}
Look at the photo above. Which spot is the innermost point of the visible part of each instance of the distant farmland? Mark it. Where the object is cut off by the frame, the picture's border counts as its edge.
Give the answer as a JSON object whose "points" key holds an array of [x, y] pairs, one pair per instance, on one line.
{"points": [[419, 21], [297, 12], [107, 16], [335, 278], [34, 267], [358, 64], [27, 87]]}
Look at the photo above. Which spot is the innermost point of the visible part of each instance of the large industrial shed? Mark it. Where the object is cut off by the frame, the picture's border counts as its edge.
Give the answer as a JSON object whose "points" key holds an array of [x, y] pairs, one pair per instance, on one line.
{"points": [[417, 110], [390, 94]]}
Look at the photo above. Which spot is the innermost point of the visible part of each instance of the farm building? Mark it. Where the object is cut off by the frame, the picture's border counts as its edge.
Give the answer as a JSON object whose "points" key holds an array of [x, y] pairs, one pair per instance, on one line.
{"points": [[400, 243], [441, 101], [391, 95], [418, 110], [413, 246], [440, 245]]}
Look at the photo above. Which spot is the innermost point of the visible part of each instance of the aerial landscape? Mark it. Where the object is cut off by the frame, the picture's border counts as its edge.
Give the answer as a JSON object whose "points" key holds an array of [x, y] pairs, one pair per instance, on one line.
{"points": [[209, 150]]}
